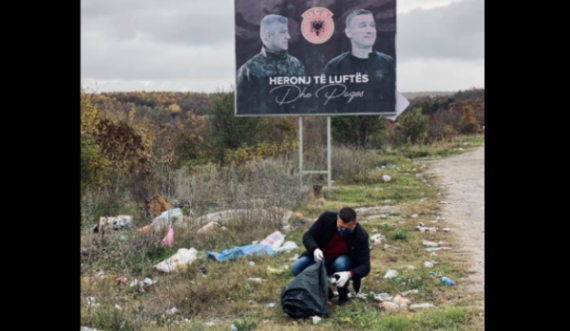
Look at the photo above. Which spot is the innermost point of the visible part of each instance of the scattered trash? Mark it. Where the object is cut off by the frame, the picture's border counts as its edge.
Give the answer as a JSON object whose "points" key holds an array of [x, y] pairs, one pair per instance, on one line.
{"points": [[377, 238], [420, 225], [447, 281], [203, 269], [391, 274], [361, 296], [274, 240], [232, 214], [383, 297], [415, 216], [178, 261], [116, 223], [233, 328], [172, 311], [446, 229], [316, 319], [386, 178], [145, 229], [141, 284], [92, 302], [256, 280], [390, 306], [424, 229], [149, 282], [410, 267], [171, 217], [271, 305], [378, 189], [275, 271], [287, 227], [388, 166], [121, 280], [444, 203], [240, 252], [435, 249], [210, 227], [430, 243], [421, 306], [212, 323], [294, 258], [433, 254], [410, 292], [374, 231], [252, 264], [84, 328], [428, 265], [287, 247], [118, 307], [168, 240], [401, 300]]}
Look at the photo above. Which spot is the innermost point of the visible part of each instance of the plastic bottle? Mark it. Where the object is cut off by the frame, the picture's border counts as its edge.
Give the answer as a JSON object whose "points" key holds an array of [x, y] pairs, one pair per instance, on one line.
{"points": [[447, 281]]}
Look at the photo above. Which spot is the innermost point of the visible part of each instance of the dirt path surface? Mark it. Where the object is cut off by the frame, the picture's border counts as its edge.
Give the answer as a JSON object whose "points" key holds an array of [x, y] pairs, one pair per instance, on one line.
{"points": [[462, 177]]}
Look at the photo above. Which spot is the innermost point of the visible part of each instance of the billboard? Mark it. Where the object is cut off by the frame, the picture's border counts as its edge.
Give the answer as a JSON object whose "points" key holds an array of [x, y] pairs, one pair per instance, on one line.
{"points": [[315, 57]]}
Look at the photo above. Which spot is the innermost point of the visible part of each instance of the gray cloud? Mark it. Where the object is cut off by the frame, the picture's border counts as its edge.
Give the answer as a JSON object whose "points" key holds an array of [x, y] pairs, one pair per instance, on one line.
{"points": [[452, 32], [405, 6], [189, 22], [189, 44]]}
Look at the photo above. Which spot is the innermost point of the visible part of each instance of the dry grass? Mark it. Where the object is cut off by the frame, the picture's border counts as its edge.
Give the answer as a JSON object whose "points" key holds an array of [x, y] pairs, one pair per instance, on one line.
{"points": [[225, 296]]}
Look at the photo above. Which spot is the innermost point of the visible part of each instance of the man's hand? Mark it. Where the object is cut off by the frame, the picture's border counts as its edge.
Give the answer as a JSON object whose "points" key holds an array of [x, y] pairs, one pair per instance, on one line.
{"points": [[318, 254], [344, 277]]}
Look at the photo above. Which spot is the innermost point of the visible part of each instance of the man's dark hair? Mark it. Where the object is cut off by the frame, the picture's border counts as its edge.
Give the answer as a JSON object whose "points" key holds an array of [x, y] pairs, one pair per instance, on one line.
{"points": [[347, 215]]}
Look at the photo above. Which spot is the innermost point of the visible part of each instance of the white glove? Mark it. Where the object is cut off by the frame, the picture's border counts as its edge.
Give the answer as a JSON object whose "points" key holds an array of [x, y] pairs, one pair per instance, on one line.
{"points": [[344, 277], [318, 254]]}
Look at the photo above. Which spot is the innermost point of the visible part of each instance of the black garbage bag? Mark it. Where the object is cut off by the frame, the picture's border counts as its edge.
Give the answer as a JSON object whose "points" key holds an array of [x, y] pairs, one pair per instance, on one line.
{"points": [[307, 294]]}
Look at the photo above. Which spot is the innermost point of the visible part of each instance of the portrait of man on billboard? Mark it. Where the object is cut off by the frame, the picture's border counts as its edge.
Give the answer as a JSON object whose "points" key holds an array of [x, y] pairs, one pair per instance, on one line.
{"points": [[253, 88], [362, 58]]}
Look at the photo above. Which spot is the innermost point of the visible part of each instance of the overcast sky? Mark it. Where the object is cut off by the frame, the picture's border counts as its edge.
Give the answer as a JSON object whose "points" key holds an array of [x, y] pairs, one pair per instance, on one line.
{"points": [[188, 45]]}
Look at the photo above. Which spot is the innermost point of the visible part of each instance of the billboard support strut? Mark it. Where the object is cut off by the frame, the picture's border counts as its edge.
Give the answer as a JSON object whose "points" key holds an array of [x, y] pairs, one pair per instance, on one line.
{"points": [[329, 165]]}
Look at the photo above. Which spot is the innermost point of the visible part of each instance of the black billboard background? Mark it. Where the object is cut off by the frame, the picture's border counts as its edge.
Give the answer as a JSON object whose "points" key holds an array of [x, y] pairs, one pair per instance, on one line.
{"points": [[249, 13]]}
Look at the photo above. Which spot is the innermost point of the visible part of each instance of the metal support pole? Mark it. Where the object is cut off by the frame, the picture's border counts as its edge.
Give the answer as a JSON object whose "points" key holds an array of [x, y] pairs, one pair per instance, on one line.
{"points": [[329, 169], [329, 150], [301, 146]]}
